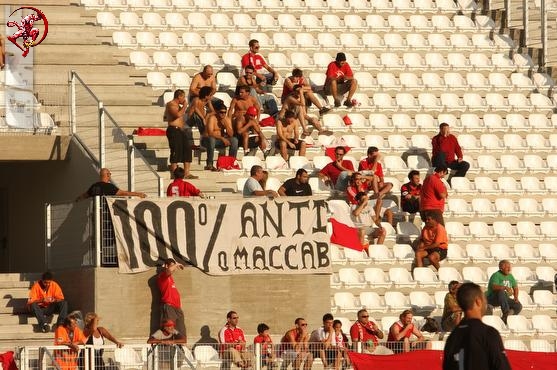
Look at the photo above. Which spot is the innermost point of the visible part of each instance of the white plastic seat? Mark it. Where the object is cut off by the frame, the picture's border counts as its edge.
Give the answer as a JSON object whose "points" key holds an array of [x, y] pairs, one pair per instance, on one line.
{"points": [[525, 275], [483, 207], [504, 230], [434, 82], [462, 185], [497, 323], [128, 358], [475, 275], [425, 277], [503, 251], [157, 80], [541, 345], [411, 82], [478, 253], [401, 277], [153, 20], [520, 325], [455, 82], [480, 230], [532, 185], [337, 255], [523, 61], [193, 40], [422, 301], [545, 299], [517, 122], [407, 103], [507, 207], [491, 142], [244, 20], [539, 122], [387, 81], [130, 20], [435, 61], [489, 164], [548, 251], [395, 165], [199, 21], [396, 301], [390, 61], [175, 21], [325, 40], [346, 302], [508, 185], [138, 4], [164, 60], [376, 277], [403, 253], [351, 278], [108, 20], [459, 207], [380, 253], [528, 230], [384, 102], [123, 39], [527, 253], [187, 60], [544, 324], [141, 60], [457, 231], [549, 229], [448, 274], [534, 163], [549, 206], [371, 301], [515, 142], [545, 273], [429, 102], [354, 256]]}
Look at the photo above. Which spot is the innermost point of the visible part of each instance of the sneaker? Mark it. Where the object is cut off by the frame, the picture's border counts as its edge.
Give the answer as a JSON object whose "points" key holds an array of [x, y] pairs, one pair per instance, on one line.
{"points": [[45, 328], [324, 110], [348, 104], [210, 168], [337, 103]]}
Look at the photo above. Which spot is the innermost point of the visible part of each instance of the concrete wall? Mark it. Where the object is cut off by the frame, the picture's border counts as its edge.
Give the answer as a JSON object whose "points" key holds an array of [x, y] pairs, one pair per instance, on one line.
{"points": [[128, 303], [31, 184]]}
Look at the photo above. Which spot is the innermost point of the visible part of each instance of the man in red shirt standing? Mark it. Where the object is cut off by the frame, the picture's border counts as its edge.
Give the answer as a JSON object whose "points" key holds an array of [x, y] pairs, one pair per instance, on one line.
{"points": [[171, 305], [264, 73], [340, 80], [433, 195], [446, 143], [181, 188], [233, 343]]}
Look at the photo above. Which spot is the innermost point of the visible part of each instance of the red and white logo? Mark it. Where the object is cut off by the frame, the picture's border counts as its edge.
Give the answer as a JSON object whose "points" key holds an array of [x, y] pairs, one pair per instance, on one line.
{"points": [[26, 31]]}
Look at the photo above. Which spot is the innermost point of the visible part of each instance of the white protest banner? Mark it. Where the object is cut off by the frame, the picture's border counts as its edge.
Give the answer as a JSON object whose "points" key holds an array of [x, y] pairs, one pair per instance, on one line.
{"points": [[223, 236]]}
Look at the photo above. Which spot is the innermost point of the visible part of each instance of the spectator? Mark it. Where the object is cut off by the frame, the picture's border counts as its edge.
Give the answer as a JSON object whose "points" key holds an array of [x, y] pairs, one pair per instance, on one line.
{"points": [[298, 186], [365, 331], [297, 78], [266, 100], [321, 339], [205, 78], [95, 335], [264, 178], [401, 331], [171, 304], [410, 193], [337, 173], [340, 80], [181, 188], [197, 110], [268, 356], [249, 132], [264, 73], [233, 343], [372, 169], [296, 348], [46, 298], [287, 136], [241, 103], [105, 187], [167, 334], [252, 187], [474, 345], [433, 195], [180, 138], [340, 346], [68, 334], [219, 135], [447, 152], [433, 243], [501, 287], [360, 212], [452, 313], [296, 102]]}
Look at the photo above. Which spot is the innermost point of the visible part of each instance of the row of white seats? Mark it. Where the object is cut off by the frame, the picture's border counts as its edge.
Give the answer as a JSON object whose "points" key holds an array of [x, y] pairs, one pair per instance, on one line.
{"points": [[504, 185], [298, 6], [502, 207], [458, 254], [395, 301], [502, 230], [324, 40], [291, 23]]}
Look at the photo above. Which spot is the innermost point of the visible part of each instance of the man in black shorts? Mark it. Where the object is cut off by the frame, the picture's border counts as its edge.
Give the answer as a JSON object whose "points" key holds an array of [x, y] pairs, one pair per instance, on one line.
{"points": [[433, 243], [105, 187], [288, 130], [473, 344], [298, 186]]}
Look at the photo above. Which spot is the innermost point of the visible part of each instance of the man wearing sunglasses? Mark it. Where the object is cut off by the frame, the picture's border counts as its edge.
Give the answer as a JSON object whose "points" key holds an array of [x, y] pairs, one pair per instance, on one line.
{"points": [[263, 72], [365, 331]]}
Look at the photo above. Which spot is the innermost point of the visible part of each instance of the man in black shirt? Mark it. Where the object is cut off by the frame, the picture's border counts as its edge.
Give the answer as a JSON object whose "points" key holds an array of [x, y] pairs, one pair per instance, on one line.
{"points": [[105, 187], [410, 193], [298, 186], [474, 345]]}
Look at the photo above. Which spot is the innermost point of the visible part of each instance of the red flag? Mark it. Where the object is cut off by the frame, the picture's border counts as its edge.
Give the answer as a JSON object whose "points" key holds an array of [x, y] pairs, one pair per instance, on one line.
{"points": [[346, 236]]}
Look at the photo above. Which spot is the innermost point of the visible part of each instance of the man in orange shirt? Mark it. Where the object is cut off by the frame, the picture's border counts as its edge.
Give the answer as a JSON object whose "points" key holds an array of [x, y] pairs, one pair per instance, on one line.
{"points": [[69, 335], [46, 298], [433, 243]]}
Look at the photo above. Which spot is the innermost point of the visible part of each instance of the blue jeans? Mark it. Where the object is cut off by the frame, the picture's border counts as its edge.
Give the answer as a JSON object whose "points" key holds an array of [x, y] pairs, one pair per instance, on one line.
{"points": [[42, 312], [342, 181], [211, 144], [500, 298]]}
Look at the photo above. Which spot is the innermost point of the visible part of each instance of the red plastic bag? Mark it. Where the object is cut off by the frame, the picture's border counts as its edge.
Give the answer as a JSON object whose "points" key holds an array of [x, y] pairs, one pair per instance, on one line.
{"points": [[347, 121], [226, 162], [267, 122], [141, 131]]}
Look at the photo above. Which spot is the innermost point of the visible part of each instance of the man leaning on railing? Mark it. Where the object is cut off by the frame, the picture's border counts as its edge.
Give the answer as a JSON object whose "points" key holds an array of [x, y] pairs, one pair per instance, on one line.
{"points": [[105, 187]]}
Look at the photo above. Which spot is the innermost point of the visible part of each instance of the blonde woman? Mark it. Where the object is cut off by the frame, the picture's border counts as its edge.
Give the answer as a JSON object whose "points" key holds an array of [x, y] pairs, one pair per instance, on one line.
{"points": [[96, 335]]}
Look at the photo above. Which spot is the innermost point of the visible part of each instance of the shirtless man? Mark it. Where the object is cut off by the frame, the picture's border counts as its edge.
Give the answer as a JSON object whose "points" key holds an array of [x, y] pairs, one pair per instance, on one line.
{"points": [[296, 103], [247, 127], [297, 78], [287, 135], [197, 110], [240, 104], [180, 138], [203, 78], [267, 101], [219, 135]]}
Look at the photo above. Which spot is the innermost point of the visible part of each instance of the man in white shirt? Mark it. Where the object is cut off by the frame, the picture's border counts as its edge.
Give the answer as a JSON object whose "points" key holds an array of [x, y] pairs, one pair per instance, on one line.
{"points": [[253, 187]]}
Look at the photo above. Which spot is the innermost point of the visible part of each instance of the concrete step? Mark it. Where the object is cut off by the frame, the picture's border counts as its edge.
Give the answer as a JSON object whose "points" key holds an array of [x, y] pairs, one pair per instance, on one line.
{"points": [[10, 319], [14, 284]]}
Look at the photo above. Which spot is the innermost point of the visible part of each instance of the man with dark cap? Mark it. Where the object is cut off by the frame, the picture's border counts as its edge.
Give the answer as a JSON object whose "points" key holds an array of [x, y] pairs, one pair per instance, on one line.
{"points": [[340, 80]]}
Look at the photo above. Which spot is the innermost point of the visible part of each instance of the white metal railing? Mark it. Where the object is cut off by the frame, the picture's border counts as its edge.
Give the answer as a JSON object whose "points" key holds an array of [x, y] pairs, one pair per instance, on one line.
{"points": [[106, 143]]}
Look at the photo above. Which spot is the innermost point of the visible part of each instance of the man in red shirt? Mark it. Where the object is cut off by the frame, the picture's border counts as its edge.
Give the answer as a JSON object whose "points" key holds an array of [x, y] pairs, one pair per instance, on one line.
{"points": [[233, 343], [410, 193], [181, 188], [337, 173], [446, 143], [340, 80], [372, 170], [365, 331], [171, 305], [263, 71], [433, 195]]}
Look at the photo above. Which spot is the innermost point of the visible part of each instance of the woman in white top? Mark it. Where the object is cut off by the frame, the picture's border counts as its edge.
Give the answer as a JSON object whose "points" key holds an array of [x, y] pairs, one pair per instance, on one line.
{"points": [[95, 335]]}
